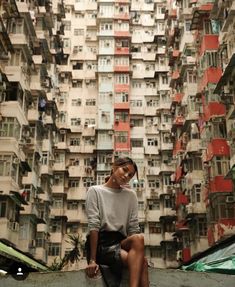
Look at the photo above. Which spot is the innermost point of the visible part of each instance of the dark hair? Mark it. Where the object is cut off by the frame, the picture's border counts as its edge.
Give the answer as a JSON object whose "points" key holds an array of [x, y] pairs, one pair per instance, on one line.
{"points": [[121, 161]]}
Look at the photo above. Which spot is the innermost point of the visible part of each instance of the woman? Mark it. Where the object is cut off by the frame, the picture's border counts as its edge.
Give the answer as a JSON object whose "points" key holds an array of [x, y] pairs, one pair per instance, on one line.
{"points": [[114, 238]]}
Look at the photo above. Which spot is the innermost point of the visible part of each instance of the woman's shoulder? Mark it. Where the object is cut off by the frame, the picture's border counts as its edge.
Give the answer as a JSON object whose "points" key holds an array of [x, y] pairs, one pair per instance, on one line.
{"points": [[129, 191]]}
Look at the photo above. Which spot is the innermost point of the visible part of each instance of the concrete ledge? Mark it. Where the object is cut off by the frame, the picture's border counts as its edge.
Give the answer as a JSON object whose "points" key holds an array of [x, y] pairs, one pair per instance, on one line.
{"points": [[158, 278]]}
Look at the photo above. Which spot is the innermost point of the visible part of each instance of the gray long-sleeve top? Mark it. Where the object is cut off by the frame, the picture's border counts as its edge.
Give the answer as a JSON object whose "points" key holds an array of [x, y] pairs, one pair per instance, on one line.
{"points": [[112, 210]]}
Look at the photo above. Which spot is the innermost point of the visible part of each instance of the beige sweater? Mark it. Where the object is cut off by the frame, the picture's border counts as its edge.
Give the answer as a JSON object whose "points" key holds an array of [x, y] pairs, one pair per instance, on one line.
{"points": [[112, 210]]}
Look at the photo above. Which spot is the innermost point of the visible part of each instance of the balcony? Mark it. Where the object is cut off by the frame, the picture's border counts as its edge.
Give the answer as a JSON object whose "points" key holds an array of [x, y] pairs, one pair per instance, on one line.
{"points": [[177, 98], [214, 109], [122, 51], [217, 147], [179, 147], [178, 173], [181, 199], [220, 184], [211, 75], [194, 145], [209, 42], [200, 12]]}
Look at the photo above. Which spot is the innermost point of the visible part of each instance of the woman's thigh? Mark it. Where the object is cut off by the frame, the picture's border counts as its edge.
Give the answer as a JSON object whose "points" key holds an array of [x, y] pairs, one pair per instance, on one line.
{"points": [[128, 242], [124, 255]]}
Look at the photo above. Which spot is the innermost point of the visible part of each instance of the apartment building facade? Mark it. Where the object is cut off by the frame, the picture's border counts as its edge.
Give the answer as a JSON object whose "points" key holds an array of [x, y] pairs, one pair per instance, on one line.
{"points": [[201, 125], [88, 81]]}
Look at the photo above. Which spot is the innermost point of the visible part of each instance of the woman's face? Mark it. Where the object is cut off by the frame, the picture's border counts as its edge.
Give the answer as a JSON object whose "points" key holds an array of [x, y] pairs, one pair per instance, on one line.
{"points": [[123, 174]]}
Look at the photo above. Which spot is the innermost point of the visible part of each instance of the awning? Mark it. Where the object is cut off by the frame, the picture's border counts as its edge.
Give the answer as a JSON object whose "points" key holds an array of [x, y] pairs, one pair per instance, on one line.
{"points": [[17, 198], [227, 72], [18, 256]]}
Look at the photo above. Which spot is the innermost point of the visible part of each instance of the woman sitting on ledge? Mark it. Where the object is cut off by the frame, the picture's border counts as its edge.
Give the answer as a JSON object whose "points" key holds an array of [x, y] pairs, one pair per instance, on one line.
{"points": [[114, 238]]}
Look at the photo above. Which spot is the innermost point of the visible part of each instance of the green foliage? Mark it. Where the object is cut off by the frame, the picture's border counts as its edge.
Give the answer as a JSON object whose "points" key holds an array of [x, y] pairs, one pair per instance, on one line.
{"points": [[72, 256]]}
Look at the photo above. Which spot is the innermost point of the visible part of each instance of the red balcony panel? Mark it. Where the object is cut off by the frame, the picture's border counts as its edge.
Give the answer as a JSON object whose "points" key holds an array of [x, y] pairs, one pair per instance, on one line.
{"points": [[173, 13], [179, 120], [175, 75], [178, 173], [176, 53], [178, 147], [181, 225], [228, 222], [214, 109], [121, 126], [181, 199], [219, 184], [217, 147], [119, 88], [211, 76], [177, 98], [122, 106], [122, 34], [122, 16], [122, 51], [121, 69], [186, 254], [122, 146], [209, 42]]}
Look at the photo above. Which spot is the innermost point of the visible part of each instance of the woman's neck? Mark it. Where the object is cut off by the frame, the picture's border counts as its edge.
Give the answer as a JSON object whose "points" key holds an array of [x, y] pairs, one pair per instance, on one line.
{"points": [[112, 184]]}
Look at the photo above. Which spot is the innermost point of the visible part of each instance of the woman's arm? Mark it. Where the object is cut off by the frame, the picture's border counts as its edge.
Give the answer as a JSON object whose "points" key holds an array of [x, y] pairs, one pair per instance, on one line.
{"points": [[93, 267], [93, 244]]}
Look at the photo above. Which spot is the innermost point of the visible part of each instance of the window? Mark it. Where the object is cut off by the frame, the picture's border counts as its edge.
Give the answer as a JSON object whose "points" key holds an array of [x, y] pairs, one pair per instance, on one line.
{"points": [[152, 142], [57, 202], [156, 252], [154, 204], [74, 183], [142, 228], [75, 122], [153, 183], [221, 166], [67, 25], [9, 127], [121, 137], [202, 226], [55, 226], [5, 165], [72, 205], [154, 227], [90, 102], [137, 122], [75, 141], [3, 206], [87, 181], [54, 249], [121, 78], [136, 143], [136, 103], [196, 193], [76, 102], [78, 32]]}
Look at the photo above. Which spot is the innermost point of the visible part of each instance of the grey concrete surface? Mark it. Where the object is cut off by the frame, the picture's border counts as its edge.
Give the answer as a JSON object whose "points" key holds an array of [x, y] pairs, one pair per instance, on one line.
{"points": [[158, 278]]}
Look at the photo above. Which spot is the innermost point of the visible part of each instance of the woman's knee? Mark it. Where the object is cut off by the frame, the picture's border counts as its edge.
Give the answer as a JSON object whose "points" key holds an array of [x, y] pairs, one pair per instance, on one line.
{"points": [[137, 239]]}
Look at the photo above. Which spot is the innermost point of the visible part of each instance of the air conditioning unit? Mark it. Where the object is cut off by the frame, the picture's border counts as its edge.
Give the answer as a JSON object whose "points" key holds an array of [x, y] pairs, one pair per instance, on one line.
{"points": [[110, 133], [230, 199], [16, 160]]}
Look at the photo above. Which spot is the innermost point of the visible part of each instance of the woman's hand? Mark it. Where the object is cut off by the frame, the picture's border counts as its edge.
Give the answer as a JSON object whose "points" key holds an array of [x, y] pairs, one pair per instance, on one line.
{"points": [[92, 269]]}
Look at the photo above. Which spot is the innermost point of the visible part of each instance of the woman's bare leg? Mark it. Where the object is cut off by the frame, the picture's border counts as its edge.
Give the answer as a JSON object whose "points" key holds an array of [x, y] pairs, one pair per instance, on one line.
{"points": [[144, 279], [134, 259]]}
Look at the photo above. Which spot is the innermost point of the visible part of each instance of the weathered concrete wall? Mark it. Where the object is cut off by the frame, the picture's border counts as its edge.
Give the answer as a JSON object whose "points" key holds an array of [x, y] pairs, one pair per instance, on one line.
{"points": [[158, 278]]}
